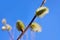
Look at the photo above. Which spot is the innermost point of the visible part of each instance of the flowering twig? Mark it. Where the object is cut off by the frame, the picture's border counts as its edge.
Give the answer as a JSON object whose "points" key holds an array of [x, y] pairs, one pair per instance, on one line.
{"points": [[30, 23], [8, 28]]}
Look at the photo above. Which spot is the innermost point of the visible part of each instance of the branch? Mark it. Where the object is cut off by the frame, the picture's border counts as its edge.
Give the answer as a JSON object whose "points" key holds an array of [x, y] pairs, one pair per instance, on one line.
{"points": [[30, 23], [43, 2]]}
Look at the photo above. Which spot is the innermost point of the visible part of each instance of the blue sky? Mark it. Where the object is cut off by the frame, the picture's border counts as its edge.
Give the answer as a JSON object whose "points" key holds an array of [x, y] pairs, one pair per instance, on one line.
{"points": [[24, 10]]}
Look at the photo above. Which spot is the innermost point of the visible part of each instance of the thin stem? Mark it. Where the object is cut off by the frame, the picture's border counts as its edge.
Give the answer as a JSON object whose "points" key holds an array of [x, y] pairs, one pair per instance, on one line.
{"points": [[10, 35], [32, 35], [29, 23]]}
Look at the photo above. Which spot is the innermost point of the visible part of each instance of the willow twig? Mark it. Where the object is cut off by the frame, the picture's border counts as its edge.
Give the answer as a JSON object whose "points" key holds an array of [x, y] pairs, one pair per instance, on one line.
{"points": [[43, 2]]}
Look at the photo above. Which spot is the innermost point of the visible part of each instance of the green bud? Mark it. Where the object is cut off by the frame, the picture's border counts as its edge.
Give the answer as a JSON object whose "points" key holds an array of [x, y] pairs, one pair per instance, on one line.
{"points": [[20, 26]]}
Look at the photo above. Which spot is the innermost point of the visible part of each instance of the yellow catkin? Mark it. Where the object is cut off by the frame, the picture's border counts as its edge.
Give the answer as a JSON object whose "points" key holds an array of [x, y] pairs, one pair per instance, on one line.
{"points": [[36, 27], [40, 12]]}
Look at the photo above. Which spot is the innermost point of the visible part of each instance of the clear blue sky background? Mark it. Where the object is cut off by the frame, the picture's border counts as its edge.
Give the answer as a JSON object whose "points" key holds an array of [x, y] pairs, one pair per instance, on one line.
{"points": [[24, 10]]}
